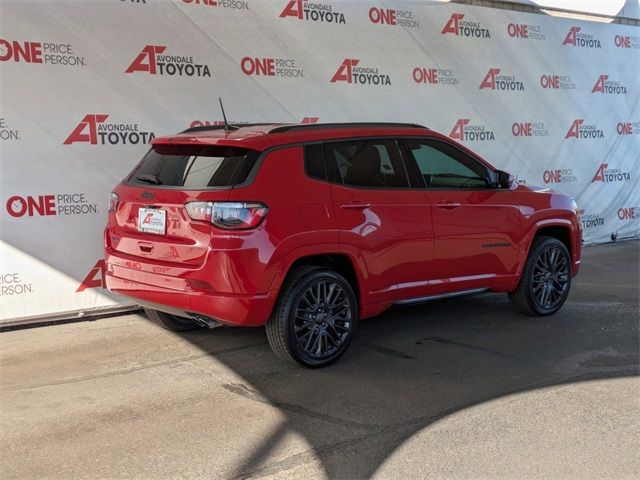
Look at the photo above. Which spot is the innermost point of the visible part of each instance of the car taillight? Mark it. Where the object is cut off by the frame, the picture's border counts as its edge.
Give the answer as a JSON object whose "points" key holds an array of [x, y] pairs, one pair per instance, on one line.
{"points": [[229, 215], [113, 201]]}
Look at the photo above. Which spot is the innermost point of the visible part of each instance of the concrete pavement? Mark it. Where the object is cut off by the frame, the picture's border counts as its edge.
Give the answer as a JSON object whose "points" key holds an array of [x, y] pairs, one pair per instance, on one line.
{"points": [[463, 388]]}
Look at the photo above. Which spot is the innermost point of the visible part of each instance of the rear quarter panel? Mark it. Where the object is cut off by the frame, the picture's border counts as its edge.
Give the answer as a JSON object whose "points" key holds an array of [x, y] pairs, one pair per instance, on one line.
{"points": [[300, 220]]}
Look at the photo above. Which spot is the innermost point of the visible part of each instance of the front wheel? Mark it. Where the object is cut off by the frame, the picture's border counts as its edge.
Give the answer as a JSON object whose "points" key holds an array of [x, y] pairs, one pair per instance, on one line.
{"points": [[546, 278], [315, 317]]}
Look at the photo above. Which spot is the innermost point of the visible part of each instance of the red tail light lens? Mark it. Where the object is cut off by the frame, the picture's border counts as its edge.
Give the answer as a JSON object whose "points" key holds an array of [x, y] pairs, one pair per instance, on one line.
{"points": [[113, 201], [228, 215]]}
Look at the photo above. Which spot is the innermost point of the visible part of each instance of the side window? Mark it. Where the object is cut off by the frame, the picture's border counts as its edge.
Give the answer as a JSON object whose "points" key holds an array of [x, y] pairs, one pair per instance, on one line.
{"points": [[367, 163], [444, 166], [314, 164]]}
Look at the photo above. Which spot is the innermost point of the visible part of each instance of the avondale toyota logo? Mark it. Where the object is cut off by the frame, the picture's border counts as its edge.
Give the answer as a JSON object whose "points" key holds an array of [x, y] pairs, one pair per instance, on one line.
{"points": [[154, 61], [590, 220], [463, 28], [464, 130], [95, 277], [608, 175], [312, 11], [606, 86], [95, 130], [349, 71], [494, 81], [584, 40], [579, 131]]}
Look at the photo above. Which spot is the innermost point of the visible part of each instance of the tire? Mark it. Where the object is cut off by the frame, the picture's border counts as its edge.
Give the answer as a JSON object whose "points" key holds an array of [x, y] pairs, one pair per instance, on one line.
{"points": [[546, 279], [309, 332], [171, 322]]}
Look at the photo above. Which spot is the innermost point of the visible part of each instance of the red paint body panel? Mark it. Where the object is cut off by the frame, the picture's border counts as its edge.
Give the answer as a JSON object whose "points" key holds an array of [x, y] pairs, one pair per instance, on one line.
{"points": [[401, 243]]}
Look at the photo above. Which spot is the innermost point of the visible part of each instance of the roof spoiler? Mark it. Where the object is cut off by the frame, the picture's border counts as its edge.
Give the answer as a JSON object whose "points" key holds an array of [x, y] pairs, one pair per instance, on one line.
{"points": [[204, 128]]}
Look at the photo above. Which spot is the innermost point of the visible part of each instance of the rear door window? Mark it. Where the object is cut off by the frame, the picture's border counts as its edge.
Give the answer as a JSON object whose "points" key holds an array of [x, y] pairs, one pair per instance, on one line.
{"points": [[194, 166], [367, 163]]}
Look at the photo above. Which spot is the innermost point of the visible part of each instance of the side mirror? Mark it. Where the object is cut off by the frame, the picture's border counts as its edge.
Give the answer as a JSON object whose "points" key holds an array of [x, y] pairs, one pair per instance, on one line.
{"points": [[504, 179]]}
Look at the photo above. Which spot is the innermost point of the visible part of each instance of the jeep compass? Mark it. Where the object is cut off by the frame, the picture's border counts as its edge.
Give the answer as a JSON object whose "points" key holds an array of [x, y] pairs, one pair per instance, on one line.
{"points": [[309, 228]]}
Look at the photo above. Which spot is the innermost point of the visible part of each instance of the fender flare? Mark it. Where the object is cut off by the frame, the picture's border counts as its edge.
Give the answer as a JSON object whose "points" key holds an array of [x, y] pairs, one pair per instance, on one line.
{"points": [[351, 253], [525, 245]]}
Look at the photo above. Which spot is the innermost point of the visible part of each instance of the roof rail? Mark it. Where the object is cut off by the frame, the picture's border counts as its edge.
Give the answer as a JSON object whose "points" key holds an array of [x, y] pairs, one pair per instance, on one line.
{"points": [[310, 126], [204, 128]]}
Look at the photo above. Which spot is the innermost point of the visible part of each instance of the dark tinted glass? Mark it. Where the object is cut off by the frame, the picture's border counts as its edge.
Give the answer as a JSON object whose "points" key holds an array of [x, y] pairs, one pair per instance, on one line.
{"points": [[194, 167], [314, 163], [367, 163], [444, 166]]}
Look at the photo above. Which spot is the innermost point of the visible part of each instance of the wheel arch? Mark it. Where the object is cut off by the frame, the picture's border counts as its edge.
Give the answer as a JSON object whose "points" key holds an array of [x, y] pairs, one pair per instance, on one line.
{"points": [[560, 228], [336, 260], [560, 232]]}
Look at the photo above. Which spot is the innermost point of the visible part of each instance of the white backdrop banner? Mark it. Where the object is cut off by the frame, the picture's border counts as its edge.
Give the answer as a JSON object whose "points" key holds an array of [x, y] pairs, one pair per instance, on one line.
{"points": [[85, 85]]}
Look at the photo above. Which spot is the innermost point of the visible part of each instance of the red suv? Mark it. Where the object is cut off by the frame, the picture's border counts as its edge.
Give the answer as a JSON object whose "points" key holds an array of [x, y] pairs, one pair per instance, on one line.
{"points": [[308, 228]]}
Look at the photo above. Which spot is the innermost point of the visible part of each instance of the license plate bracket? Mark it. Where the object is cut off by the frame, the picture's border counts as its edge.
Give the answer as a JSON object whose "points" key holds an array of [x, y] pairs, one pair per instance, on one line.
{"points": [[152, 220]]}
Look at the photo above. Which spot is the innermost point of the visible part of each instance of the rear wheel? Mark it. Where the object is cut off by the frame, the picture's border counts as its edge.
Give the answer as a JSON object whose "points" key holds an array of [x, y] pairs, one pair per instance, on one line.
{"points": [[171, 322], [546, 279], [314, 319]]}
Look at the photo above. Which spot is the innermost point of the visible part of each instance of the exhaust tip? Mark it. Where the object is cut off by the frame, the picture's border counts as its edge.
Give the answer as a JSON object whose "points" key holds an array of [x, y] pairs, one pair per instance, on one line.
{"points": [[203, 321]]}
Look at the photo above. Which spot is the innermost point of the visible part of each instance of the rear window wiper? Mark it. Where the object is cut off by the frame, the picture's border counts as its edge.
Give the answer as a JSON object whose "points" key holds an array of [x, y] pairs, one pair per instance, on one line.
{"points": [[149, 179]]}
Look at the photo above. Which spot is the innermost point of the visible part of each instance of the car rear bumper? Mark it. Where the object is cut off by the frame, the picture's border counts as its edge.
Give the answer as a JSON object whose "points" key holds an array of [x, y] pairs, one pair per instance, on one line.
{"points": [[184, 294]]}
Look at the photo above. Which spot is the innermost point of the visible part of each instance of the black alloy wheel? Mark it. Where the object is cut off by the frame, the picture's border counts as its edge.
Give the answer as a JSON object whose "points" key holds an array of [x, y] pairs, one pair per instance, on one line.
{"points": [[550, 278], [315, 317], [546, 278], [322, 319]]}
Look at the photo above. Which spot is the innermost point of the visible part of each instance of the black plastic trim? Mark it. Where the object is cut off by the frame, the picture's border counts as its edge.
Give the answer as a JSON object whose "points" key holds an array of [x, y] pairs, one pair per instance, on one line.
{"points": [[313, 126]]}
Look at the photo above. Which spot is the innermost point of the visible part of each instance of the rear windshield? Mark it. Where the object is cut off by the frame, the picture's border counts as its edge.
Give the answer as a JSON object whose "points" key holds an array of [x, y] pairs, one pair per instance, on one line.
{"points": [[194, 166]]}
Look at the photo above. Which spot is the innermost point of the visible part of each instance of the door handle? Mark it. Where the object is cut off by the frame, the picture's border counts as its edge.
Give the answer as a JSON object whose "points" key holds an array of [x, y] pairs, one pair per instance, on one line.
{"points": [[356, 205], [448, 205]]}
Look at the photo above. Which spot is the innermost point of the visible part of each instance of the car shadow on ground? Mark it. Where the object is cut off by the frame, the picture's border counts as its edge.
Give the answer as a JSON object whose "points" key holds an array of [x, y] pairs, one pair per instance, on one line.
{"points": [[410, 367]]}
